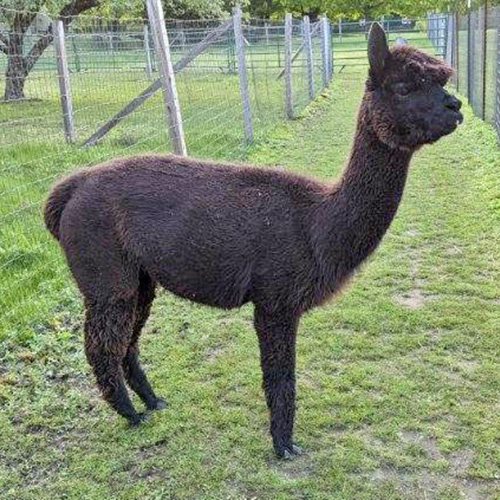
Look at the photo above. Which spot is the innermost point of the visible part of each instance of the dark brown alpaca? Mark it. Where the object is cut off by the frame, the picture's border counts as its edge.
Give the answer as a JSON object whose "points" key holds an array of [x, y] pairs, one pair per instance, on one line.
{"points": [[224, 235]]}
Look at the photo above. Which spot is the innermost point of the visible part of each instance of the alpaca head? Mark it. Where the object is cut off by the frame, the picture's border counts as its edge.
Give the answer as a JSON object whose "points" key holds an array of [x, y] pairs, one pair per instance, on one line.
{"points": [[405, 101]]}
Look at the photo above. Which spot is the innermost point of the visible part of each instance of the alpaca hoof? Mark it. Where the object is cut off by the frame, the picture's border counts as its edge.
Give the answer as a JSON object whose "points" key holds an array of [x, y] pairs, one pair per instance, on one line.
{"points": [[136, 420], [288, 452], [158, 404]]}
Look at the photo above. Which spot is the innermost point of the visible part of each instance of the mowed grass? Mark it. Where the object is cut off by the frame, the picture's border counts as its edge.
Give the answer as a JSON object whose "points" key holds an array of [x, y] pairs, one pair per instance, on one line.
{"points": [[398, 378], [33, 154]]}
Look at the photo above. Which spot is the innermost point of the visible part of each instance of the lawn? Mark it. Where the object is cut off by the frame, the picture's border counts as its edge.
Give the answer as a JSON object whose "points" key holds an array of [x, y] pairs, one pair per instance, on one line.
{"points": [[398, 378]]}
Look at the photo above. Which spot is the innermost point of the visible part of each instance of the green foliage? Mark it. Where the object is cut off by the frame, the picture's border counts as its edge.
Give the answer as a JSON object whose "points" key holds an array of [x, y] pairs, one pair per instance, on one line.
{"points": [[355, 9], [179, 9]]}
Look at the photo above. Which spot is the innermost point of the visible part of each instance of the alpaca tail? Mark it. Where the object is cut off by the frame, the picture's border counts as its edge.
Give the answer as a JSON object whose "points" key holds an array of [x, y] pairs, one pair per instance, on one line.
{"points": [[58, 198]]}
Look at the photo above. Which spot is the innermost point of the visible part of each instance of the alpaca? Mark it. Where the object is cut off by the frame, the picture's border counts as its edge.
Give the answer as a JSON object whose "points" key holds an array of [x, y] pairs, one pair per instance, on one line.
{"points": [[224, 235]]}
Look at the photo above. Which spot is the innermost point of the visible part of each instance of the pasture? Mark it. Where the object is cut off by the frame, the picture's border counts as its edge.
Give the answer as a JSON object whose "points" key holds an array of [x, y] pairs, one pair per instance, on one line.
{"points": [[33, 152], [398, 378]]}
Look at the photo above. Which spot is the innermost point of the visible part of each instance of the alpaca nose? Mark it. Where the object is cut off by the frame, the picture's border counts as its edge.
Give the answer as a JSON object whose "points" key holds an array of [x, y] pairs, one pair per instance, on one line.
{"points": [[453, 103]]}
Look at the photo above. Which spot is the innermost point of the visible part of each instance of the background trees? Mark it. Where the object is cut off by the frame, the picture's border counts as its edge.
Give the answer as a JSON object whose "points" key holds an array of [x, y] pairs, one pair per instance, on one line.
{"points": [[16, 17]]}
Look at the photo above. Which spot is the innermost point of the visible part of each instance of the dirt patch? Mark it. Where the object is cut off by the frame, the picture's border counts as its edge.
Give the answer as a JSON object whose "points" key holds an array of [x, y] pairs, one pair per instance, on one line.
{"points": [[414, 299], [453, 251], [425, 485], [299, 467], [428, 444], [412, 233], [460, 461], [213, 352]]}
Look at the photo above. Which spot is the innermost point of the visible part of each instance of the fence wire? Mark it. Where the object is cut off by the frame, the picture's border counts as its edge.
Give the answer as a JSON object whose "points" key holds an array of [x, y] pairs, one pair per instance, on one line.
{"points": [[476, 61], [349, 38], [110, 62]]}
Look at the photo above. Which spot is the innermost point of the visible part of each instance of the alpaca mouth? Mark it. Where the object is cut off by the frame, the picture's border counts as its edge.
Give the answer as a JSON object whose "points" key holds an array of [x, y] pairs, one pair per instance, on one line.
{"points": [[460, 117]]}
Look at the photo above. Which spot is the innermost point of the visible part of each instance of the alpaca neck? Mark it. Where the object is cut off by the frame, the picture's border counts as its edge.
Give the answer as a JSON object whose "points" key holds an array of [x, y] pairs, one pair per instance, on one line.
{"points": [[360, 210]]}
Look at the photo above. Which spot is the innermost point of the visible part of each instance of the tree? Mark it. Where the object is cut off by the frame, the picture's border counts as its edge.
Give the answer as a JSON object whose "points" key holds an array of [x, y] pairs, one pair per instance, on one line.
{"points": [[193, 9], [17, 16]]}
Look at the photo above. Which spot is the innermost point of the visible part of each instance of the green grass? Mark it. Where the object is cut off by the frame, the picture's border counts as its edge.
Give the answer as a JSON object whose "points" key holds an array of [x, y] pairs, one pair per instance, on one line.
{"points": [[33, 153], [398, 379]]}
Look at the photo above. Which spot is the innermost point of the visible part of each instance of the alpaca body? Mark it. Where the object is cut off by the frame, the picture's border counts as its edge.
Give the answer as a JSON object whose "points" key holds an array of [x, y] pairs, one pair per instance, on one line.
{"points": [[216, 234], [224, 235]]}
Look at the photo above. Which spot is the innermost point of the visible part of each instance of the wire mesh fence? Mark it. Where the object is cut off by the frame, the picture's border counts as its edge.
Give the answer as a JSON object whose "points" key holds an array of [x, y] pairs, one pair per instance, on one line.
{"points": [[349, 38], [476, 62], [110, 62], [109, 103]]}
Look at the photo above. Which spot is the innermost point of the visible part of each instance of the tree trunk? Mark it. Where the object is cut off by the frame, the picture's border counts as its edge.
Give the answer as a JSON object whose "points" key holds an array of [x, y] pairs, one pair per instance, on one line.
{"points": [[15, 78], [19, 64], [15, 75]]}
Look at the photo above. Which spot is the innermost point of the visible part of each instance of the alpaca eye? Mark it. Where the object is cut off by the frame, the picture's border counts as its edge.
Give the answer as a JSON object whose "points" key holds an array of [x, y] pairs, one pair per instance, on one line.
{"points": [[401, 89]]}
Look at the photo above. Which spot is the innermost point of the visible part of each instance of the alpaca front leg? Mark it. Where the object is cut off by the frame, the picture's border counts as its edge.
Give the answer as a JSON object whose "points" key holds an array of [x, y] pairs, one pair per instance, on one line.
{"points": [[277, 334]]}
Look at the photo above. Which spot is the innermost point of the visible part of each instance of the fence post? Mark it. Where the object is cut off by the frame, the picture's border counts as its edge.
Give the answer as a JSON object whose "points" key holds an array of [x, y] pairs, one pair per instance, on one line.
{"points": [[149, 66], [170, 97], [324, 50], [456, 53], [330, 50], [78, 66], [63, 77], [288, 66], [497, 84], [340, 30], [484, 8], [309, 56], [450, 32], [469, 58], [242, 73]]}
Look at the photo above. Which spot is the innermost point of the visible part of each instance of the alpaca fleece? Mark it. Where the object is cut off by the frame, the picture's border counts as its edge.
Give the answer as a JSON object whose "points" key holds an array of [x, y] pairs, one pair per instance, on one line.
{"points": [[224, 235]]}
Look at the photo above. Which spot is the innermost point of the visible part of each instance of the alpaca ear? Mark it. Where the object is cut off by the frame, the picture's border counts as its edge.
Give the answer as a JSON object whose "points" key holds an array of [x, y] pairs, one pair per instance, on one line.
{"points": [[378, 52]]}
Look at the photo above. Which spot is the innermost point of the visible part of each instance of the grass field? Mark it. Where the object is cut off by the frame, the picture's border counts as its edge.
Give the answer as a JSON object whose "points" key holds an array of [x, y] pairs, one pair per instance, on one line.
{"points": [[398, 379], [33, 152]]}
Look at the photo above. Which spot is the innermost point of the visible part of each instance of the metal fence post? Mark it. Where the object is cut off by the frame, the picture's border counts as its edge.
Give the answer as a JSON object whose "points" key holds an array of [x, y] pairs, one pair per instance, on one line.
{"points": [[484, 8], [309, 56], [340, 30], [450, 41], [78, 66], [324, 50], [242, 73], [497, 83], [456, 51], [469, 58], [63, 77], [330, 49], [147, 49], [170, 97], [288, 66]]}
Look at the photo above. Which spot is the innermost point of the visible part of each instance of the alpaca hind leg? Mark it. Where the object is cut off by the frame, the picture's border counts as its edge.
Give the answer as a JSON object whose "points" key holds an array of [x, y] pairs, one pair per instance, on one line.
{"points": [[277, 333], [132, 369], [108, 330]]}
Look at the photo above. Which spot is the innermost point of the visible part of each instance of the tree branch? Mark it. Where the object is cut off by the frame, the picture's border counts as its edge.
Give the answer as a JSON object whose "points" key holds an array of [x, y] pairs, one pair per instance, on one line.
{"points": [[72, 9], [22, 21], [37, 50], [4, 44], [66, 14]]}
